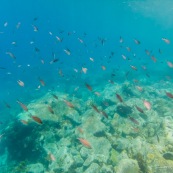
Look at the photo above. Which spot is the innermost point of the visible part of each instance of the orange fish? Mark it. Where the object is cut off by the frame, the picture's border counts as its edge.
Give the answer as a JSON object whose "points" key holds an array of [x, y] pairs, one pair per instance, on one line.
{"points": [[147, 104], [24, 122], [36, 119], [69, 104], [84, 70], [23, 106], [21, 83], [170, 64], [169, 95], [133, 67], [103, 67], [139, 88], [166, 40], [154, 58], [128, 48], [51, 157], [97, 93], [42, 82], [85, 142], [80, 130]]}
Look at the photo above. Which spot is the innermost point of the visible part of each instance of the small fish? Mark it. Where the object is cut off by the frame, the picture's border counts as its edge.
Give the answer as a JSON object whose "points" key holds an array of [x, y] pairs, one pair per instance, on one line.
{"points": [[13, 43], [50, 33], [88, 87], [102, 41], [128, 48], [134, 120], [23, 106], [18, 25], [147, 104], [137, 41], [54, 60], [84, 70], [69, 104], [5, 24], [147, 52], [21, 83], [56, 97], [170, 64], [3, 68], [92, 59], [24, 122], [75, 70], [85, 142], [67, 51], [139, 88], [104, 114], [144, 67], [139, 109], [51, 157], [154, 59], [80, 40], [42, 82], [119, 97], [95, 108], [167, 41], [124, 57], [35, 28], [50, 110], [37, 119], [169, 95], [60, 72], [59, 39], [103, 67], [111, 81], [7, 105], [37, 49], [121, 40], [97, 93], [11, 55], [133, 67], [80, 130], [42, 61]]}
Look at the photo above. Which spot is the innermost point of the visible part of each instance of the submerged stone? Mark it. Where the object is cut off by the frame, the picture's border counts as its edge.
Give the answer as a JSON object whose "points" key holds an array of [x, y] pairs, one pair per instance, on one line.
{"points": [[127, 166], [94, 168], [168, 156], [124, 111]]}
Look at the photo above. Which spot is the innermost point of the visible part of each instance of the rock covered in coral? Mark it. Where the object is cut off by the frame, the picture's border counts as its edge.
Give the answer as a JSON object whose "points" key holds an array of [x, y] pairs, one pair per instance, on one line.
{"points": [[36, 168], [127, 166], [93, 168]]}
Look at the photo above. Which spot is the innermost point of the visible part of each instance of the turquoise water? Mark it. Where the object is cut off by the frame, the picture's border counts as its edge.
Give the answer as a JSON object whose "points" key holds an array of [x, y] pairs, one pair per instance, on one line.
{"points": [[85, 69]]}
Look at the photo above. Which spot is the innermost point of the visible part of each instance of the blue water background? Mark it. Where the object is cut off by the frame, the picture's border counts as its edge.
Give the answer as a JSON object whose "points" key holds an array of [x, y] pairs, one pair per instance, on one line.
{"points": [[89, 21]]}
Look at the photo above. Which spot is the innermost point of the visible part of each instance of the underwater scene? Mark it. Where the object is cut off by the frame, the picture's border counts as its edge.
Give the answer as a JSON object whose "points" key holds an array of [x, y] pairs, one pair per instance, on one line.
{"points": [[86, 86]]}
